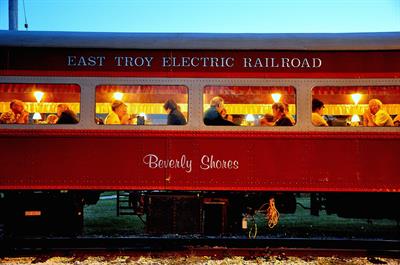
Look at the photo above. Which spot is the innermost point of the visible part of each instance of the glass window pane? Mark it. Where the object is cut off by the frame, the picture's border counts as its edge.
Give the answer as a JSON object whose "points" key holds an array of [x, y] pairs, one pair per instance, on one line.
{"points": [[249, 106], [141, 105], [39, 103], [369, 106]]}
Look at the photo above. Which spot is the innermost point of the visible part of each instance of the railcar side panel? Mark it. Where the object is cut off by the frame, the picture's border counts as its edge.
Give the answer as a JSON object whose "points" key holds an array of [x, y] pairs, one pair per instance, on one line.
{"points": [[270, 163]]}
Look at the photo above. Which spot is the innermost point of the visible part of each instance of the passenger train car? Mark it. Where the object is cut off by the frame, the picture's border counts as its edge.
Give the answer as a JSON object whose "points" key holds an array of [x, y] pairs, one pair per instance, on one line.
{"points": [[196, 171]]}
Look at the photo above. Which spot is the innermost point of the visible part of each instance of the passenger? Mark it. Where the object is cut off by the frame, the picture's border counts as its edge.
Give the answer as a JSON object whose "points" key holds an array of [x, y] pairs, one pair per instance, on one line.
{"points": [[317, 113], [278, 110], [376, 116], [175, 116], [66, 115], [51, 119], [396, 121], [267, 120], [287, 113], [8, 118], [212, 116], [119, 114], [16, 114]]}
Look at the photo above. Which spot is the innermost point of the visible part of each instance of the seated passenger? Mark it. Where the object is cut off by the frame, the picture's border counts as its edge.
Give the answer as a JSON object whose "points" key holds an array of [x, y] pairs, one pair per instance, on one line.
{"points": [[396, 120], [16, 114], [287, 113], [212, 116], [175, 116], [317, 113], [376, 116], [7, 118], [119, 114], [51, 119], [278, 110], [66, 115]]}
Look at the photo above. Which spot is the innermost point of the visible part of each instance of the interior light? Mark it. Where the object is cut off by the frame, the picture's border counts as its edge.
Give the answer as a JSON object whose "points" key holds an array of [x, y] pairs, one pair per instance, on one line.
{"points": [[118, 95], [276, 97], [37, 116], [250, 118], [355, 118], [356, 98], [38, 95]]}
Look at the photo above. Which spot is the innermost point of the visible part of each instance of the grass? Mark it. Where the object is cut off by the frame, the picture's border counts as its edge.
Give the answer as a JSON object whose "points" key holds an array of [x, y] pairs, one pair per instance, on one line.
{"points": [[102, 219]]}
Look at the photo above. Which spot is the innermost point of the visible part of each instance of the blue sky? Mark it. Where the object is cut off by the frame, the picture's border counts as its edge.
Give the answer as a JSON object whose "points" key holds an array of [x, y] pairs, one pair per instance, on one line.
{"points": [[221, 16]]}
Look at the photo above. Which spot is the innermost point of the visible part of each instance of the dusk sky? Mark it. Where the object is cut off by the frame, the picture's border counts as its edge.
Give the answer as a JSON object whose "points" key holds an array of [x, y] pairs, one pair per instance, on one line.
{"points": [[221, 16]]}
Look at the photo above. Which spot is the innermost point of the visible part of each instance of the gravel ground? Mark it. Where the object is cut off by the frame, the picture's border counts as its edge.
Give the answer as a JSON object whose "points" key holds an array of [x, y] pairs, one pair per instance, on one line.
{"points": [[96, 260]]}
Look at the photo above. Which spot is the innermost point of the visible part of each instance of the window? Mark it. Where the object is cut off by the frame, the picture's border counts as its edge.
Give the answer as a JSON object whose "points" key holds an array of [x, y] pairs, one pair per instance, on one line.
{"points": [[39, 103], [356, 106], [141, 105], [249, 106]]}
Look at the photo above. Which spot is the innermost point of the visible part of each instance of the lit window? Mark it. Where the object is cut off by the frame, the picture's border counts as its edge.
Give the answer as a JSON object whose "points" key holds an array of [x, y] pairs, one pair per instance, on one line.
{"points": [[249, 106], [141, 105], [39, 104], [369, 106]]}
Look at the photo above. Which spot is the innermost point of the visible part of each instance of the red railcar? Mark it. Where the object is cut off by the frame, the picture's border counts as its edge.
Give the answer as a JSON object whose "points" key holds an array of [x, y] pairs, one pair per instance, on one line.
{"points": [[343, 166]]}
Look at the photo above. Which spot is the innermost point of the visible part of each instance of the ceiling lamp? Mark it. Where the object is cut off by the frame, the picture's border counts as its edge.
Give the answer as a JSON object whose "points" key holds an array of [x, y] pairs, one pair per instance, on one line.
{"points": [[118, 95], [356, 98], [38, 95], [276, 97]]}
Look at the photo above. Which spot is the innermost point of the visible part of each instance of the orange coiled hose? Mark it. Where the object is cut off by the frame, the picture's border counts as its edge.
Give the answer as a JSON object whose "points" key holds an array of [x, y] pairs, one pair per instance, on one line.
{"points": [[272, 214]]}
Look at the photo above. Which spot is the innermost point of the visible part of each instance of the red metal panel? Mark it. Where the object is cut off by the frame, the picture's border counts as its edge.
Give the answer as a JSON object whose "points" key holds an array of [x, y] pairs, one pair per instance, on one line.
{"points": [[78, 163], [198, 63], [253, 161], [331, 164]]}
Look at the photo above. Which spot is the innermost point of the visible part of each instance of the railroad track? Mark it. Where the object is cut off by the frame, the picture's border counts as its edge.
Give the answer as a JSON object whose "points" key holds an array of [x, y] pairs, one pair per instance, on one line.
{"points": [[203, 246]]}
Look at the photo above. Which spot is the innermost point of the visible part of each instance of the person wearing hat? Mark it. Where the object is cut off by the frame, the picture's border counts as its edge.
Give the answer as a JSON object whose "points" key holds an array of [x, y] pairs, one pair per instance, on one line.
{"points": [[119, 113]]}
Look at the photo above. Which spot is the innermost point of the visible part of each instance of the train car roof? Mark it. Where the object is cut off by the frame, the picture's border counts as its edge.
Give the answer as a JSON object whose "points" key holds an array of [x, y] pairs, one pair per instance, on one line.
{"points": [[209, 41]]}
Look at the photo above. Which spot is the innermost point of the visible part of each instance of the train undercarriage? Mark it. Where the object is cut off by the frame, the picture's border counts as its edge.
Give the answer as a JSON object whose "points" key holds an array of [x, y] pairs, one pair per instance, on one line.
{"points": [[208, 213]]}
